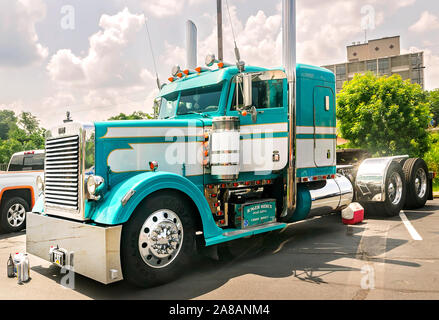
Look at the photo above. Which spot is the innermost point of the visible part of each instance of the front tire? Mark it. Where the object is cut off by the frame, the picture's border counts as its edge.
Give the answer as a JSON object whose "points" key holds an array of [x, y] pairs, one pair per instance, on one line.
{"points": [[13, 215], [158, 241], [395, 189], [416, 177]]}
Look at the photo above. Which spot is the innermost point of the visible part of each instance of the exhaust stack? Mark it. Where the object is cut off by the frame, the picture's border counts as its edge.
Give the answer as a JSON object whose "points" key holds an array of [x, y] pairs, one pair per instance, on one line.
{"points": [[191, 45], [289, 62]]}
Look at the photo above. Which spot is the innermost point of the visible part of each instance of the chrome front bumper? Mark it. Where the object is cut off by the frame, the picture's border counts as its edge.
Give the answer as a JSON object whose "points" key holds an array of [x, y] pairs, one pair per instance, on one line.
{"points": [[96, 250]]}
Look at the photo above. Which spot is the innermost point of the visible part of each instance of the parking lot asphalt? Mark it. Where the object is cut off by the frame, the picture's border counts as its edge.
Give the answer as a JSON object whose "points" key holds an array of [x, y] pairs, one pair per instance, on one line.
{"points": [[316, 259]]}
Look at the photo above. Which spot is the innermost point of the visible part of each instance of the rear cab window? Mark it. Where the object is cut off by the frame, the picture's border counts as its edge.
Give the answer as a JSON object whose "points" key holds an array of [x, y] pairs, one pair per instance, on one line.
{"points": [[31, 162]]}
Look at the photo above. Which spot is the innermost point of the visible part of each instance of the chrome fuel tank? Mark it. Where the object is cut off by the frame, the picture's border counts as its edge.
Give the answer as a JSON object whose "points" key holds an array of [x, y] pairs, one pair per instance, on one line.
{"points": [[334, 196], [337, 194]]}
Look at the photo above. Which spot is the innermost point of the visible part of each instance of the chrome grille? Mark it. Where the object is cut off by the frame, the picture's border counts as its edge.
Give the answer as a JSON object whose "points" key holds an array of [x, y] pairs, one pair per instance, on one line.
{"points": [[61, 173]]}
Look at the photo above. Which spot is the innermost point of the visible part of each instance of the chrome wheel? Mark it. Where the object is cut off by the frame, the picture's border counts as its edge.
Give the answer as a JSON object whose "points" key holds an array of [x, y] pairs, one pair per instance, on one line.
{"points": [[16, 215], [395, 188], [160, 238], [421, 183]]}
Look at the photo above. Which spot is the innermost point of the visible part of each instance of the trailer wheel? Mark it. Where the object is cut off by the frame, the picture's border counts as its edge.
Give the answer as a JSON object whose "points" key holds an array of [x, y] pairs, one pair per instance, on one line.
{"points": [[416, 177], [395, 189], [158, 241], [13, 215]]}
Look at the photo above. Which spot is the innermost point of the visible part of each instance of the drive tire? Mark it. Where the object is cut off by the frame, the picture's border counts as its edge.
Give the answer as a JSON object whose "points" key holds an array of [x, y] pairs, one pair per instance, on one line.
{"points": [[416, 178], [395, 189], [172, 211], [15, 206]]}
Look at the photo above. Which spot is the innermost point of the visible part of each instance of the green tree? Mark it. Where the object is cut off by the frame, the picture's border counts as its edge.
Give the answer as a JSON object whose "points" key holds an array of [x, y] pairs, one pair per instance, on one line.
{"points": [[8, 121], [136, 115], [19, 134], [434, 105], [432, 157], [385, 115]]}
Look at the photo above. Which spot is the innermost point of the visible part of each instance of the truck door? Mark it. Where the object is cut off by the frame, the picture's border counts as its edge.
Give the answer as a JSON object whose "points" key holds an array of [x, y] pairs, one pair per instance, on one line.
{"points": [[264, 136], [324, 127]]}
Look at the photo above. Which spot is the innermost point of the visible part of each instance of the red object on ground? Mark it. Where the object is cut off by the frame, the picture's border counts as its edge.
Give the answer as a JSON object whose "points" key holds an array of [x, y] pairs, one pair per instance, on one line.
{"points": [[354, 214]]}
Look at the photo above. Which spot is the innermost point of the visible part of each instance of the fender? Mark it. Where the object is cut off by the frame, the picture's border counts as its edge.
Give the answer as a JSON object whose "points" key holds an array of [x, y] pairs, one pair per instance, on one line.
{"points": [[110, 210]]}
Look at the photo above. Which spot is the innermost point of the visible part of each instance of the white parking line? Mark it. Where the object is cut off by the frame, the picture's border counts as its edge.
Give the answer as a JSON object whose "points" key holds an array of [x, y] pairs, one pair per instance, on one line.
{"points": [[415, 235]]}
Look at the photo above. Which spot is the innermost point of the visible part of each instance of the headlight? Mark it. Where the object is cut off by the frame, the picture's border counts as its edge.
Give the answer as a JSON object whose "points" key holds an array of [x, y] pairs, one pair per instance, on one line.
{"points": [[40, 184], [93, 183]]}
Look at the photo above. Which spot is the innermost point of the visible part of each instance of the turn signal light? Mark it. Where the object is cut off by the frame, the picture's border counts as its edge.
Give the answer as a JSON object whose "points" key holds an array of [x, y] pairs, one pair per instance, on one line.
{"points": [[153, 165]]}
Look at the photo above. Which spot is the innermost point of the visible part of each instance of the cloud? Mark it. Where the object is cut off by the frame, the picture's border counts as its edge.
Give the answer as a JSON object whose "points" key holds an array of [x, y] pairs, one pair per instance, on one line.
{"points": [[19, 43], [404, 3], [427, 22], [105, 65], [259, 37], [164, 8], [106, 80]]}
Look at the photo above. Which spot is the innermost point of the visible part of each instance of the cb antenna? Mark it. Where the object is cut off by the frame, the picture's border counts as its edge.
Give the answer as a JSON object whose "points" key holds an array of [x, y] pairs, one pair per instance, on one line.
{"points": [[152, 53], [240, 64]]}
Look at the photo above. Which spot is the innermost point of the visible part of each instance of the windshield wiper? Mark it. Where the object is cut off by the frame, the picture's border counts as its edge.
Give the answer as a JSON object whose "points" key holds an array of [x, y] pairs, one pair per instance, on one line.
{"points": [[193, 112], [204, 115]]}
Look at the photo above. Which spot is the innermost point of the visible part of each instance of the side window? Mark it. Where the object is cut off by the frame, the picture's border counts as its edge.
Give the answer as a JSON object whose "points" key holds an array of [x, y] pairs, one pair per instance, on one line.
{"points": [[168, 105], [16, 163], [265, 94]]}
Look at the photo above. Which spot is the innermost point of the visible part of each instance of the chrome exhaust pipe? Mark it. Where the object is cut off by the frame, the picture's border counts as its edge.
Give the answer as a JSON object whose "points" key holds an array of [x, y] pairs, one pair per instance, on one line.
{"points": [[289, 63], [191, 45]]}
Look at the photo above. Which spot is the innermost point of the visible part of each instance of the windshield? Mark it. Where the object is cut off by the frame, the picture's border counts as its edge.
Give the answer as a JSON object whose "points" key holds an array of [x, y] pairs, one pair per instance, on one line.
{"points": [[196, 100], [200, 100], [168, 105]]}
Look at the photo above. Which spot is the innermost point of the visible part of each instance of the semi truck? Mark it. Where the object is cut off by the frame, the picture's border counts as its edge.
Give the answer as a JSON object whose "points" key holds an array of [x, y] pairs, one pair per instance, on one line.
{"points": [[236, 151]]}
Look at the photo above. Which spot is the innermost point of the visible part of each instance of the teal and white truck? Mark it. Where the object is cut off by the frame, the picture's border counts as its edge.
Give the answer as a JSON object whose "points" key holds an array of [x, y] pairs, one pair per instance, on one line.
{"points": [[236, 151]]}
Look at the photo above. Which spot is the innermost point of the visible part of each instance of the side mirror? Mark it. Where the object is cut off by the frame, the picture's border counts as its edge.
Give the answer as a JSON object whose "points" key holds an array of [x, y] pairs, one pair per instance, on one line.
{"points": [[247, 92]]}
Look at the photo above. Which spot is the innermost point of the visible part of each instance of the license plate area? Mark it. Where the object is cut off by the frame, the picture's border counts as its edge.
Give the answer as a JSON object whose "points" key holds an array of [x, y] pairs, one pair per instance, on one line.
{"points": [[58, 256]]}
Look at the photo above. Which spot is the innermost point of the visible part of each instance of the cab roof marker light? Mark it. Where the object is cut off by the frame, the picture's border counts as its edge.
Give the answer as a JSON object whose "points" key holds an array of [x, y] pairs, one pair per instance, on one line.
{"points": [[172, 79], [222, 65], [189, 72], [201, 70]]}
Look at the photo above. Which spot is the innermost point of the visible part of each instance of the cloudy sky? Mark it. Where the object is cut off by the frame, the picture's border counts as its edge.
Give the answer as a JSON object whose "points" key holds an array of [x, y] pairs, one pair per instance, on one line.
{"points": [[93, 57]]}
